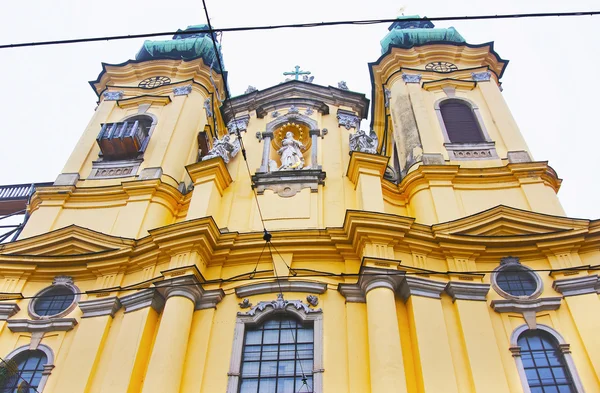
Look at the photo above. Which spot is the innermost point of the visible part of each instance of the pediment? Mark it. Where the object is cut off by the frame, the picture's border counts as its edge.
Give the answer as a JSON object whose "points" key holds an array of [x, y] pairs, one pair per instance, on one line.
{"points": [[71, 240], [504, 221]]}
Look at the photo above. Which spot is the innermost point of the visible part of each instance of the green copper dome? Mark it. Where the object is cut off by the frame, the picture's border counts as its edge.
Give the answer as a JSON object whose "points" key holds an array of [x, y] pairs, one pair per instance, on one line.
{"points": [[406, 33], [185, 45]]}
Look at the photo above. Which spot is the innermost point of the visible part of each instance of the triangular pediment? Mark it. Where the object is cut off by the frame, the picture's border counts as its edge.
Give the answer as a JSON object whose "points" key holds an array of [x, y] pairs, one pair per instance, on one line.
{"points": [[503, 221], [71, 240]]}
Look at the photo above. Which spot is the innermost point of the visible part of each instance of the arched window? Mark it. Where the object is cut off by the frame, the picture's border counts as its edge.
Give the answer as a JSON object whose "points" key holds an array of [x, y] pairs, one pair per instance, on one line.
{"points": [[544, 361], [125, 139], [23, 373], [278, 357], [544, 364], [460, 122]]}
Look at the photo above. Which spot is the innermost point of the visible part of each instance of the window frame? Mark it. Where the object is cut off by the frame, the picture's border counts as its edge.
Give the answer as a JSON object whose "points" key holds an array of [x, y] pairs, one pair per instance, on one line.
{"points": [[466, 151], [563, 347], [47, 367], [128, 167], [63, 281], [517, 266], [260, 314]]}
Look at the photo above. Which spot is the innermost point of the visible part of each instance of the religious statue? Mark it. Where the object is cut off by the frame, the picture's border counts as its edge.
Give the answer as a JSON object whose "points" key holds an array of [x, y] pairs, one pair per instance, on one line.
{"points": [[342, 85], [291, 153], [223, 148], [362, 142]]}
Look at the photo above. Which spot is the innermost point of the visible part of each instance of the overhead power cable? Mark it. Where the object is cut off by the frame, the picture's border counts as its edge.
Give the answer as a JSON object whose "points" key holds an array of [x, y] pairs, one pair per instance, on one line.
{"points": [[301, 25]]}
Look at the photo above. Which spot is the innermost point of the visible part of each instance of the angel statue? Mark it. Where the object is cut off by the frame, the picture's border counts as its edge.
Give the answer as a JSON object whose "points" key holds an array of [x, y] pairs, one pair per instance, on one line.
{"points": [[291, 153], [223, 148], [360, 141]]}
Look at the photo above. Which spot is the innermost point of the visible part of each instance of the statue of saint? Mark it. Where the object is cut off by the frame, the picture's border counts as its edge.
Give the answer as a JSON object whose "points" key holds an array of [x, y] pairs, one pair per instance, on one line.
{"points": [[291, 153]]}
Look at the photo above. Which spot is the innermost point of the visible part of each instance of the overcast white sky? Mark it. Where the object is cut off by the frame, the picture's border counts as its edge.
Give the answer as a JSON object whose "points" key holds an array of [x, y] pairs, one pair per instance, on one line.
{"points": [[550, 84]]}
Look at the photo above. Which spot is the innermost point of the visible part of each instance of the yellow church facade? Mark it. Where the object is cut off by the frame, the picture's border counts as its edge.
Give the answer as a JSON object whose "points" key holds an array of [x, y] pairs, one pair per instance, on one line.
{"points": [[201, 243]]}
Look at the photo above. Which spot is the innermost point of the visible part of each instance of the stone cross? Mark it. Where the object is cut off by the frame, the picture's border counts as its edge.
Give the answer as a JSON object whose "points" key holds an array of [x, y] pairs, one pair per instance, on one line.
{"points": [[297, 72]]}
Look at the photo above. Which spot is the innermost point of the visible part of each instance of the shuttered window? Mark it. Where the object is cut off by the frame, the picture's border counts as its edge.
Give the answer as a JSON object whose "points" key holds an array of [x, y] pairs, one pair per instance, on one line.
{"points": [[461, 123]]}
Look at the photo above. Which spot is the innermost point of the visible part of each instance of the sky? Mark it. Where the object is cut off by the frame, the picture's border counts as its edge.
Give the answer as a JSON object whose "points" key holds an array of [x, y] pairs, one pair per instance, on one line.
{"points": [[550, 83]]}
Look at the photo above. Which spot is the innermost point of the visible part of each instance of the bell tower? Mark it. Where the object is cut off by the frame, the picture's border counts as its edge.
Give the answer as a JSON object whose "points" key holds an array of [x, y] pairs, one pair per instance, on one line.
{"points": [[439, 113]]}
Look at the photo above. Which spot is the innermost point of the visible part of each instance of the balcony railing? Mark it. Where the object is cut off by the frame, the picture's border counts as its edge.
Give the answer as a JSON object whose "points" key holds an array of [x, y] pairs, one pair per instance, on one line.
{"points": [[13, 204], [122, 140]]}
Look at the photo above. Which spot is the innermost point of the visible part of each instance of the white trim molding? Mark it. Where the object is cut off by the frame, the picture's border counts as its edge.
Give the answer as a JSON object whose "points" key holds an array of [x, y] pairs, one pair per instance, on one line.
{"points": [[281, 286], [577, 285], [563, 346], [47, 367], [259, 314], [528, 308]]}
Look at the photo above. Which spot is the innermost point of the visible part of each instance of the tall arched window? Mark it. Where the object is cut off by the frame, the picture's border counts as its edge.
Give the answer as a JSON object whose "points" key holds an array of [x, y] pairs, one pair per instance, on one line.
{"points": [[278, 357], [460, 121], [23, 373], [544, 361]]}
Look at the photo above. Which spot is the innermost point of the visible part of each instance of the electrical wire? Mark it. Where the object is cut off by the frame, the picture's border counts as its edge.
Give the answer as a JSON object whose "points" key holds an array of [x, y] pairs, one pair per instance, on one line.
{"points": [[302, 25], [310, 274], [237, 130]]}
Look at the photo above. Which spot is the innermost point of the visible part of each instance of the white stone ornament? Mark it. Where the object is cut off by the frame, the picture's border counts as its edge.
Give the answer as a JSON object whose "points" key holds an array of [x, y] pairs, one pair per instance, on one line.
{"points": [[364, 143], [182, 90], [223, 148]]}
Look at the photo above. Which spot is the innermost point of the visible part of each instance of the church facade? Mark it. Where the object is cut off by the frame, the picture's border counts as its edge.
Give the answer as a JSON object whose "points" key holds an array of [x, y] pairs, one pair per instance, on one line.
{"points": [[201, 243]]}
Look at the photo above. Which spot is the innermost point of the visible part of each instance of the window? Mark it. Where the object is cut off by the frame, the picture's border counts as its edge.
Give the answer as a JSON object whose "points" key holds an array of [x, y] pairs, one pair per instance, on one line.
{"points": [[126, 139], [517, 282], [512, 280], [23, 373], [55, 301], [277, 345], [544, 364], [278, 357], [460, 122]]}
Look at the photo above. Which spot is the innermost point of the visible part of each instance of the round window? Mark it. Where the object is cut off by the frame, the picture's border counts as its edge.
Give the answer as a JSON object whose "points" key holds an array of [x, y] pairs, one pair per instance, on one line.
{"points": [[53, 301], [515, 281]]}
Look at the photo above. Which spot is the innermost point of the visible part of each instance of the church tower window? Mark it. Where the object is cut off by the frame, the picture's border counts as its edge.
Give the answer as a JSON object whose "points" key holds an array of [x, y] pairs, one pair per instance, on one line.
{"points": [[460, 122]]}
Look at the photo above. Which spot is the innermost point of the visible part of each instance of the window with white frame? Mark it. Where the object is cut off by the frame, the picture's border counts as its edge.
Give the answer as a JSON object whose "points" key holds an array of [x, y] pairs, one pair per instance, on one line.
{"points": [[544, 361], [26, 370], [277, 348]]}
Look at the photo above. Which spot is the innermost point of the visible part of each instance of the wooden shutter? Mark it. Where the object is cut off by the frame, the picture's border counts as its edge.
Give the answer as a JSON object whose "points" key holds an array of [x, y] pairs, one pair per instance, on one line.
{"points": [[460, 122]]}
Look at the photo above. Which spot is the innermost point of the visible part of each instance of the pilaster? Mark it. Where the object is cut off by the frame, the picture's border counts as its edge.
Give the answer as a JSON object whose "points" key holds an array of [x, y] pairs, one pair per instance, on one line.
{"points": [[365, 171], [210, 179], [584, 305], [482, 351]]}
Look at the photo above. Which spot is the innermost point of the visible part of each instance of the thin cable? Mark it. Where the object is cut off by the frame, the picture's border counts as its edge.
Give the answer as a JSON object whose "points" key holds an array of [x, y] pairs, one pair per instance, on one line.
{"points": [[314, 274], [301, 25], [237, 130], [20, 376]]}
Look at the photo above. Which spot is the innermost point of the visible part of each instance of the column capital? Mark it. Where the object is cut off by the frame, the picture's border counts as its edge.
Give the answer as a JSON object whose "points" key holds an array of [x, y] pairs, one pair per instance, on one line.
{"points": [[214, 169], [100, 307], [142, 299], [416, 286], [467, 291], [190, 288], [7, 310], [365, 163], [369, 279], [577, 285]]}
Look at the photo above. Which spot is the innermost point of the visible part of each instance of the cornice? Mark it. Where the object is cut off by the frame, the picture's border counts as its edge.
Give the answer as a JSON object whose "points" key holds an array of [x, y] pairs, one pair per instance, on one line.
{"points": [[132, 71], [282, 285], [7, 310], [100, 307], [438, 84], [577, 285], [136, 101], [190, 286], [41, 325], [213, 169], [142, 299], [467, 291], [365, 163], [296, 89]]}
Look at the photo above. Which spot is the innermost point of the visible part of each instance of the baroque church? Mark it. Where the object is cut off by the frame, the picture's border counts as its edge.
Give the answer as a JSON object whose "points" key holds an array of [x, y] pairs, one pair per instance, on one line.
{"points": [[265, 243]]}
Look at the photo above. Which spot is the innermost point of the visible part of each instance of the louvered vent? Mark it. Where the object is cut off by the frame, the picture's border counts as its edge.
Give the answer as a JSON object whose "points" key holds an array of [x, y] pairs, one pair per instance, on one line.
{"points": [[460, 122]]}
